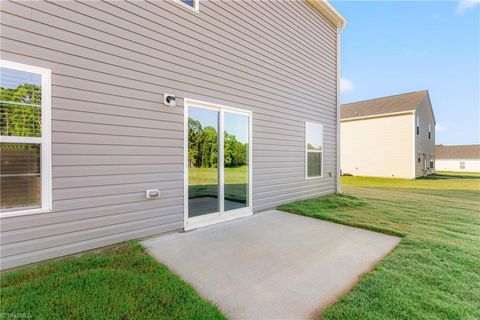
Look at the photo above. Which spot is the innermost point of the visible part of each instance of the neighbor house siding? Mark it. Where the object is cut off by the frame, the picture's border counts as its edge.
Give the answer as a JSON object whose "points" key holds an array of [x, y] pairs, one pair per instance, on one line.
{"points": [[378, 147], [112, 137], [424, 145], [471, 165]]}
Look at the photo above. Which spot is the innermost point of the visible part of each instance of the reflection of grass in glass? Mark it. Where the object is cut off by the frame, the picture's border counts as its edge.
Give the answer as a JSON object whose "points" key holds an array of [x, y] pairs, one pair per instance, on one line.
{"points": [[203, 182]]}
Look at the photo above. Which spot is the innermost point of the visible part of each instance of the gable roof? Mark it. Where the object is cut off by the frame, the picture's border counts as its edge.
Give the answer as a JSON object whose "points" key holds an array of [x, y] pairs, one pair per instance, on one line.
{"points": [[471, 151], [385, 105]]}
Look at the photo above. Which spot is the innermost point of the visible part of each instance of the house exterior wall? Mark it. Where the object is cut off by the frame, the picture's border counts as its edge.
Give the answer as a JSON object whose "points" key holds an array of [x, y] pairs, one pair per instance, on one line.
{"points": [[423, 145], [378, 147], [112, 137], [471, 165]]}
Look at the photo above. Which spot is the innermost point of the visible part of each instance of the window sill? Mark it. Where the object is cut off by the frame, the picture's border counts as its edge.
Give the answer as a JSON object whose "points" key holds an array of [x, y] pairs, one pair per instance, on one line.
{"points": [[313, 178], [11, 214]]}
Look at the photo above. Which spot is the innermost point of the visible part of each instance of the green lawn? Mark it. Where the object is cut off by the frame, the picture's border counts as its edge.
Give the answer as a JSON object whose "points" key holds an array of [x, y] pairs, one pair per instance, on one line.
{"points": [[434, 272], [121, 282]]}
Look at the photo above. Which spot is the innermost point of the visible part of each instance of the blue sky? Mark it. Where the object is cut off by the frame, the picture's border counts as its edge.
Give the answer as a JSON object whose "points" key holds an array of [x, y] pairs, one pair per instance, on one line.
{"points": [[391, 47]]}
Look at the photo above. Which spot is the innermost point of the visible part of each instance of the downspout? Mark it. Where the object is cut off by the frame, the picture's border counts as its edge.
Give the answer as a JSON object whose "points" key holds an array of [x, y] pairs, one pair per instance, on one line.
{"points": [[339, 31]]}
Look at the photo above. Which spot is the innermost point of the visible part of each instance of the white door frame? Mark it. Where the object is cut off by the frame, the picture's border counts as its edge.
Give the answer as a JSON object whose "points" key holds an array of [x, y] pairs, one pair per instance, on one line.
{"points": [[221, 215]]}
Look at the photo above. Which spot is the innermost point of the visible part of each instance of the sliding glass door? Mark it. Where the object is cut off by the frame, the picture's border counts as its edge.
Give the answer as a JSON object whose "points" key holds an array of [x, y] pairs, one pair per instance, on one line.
{"points": [[217, 163]]}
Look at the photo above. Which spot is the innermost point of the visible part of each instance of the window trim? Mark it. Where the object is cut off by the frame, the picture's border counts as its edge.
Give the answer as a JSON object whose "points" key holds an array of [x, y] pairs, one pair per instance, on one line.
{"points": [[45, 140], [195, 8], [313, 151]]}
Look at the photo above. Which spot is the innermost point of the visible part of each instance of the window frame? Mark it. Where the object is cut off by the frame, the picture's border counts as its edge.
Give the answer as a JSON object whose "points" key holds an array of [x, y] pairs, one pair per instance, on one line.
{"points": [[313, 151], [195, 8], [44, 140]]}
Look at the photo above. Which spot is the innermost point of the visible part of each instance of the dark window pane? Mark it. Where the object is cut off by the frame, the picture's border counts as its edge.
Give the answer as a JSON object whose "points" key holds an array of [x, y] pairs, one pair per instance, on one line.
{"points": [[20, 176], [189, 2], [20, 103], [314, 164]]}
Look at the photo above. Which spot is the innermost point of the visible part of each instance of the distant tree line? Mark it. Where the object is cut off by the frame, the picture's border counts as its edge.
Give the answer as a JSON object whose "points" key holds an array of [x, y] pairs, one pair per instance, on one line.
{"points": [[203, 147]]}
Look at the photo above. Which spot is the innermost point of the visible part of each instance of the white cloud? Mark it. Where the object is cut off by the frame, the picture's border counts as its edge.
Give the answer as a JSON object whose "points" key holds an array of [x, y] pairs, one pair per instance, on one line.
{"points": [[436, 16], [439, 128], [346, 85], [465, 5]]}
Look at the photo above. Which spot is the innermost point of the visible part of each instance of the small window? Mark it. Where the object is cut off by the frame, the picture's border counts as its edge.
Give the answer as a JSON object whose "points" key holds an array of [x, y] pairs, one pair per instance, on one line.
{"points": [[462, 165], [429, 131], [313, 150], [25, 171], [418, 125], [418, 156], [431, 161], [194, 4]]}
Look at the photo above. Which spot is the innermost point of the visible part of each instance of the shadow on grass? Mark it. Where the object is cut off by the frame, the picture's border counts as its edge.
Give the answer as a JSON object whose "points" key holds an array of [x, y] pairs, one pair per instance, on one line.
{"points": [[321, 208], [439, 176]]}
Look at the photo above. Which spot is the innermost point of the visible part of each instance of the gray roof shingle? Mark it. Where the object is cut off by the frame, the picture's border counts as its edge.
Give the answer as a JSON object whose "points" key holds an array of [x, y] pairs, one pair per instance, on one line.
{"points": [[384, 105], [471, 151]]}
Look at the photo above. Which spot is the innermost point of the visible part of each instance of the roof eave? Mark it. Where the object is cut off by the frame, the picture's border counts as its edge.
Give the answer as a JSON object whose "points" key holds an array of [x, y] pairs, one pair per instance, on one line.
{"points": [[375, 116], [329, 12]]}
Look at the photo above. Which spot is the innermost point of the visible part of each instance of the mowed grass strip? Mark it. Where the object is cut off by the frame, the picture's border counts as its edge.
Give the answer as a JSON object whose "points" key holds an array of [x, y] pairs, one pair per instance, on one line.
{"points": [[434, 272], [121, 282]]}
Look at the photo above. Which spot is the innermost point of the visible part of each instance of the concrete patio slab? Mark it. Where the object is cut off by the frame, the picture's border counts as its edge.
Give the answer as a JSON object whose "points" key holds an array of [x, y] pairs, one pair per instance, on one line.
{"points": [[272, 265]]}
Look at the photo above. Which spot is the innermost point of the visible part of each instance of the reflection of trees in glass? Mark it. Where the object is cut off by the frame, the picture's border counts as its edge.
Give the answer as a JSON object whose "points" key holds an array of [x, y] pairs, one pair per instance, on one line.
{"points": [[20, 120], [235, 151], [203, 147]]}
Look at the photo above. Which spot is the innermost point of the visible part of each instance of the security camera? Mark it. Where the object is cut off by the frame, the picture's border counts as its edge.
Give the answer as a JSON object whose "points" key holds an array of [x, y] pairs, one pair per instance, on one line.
{"points": [[169, 100]]}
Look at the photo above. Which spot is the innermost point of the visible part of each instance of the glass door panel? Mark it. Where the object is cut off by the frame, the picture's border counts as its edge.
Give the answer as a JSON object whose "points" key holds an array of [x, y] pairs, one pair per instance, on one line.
{"points": [[236, 164], [203, 172]]}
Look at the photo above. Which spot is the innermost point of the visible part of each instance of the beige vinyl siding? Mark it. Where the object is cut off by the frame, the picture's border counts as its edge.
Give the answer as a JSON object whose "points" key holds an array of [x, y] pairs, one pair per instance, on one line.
{"points": [[378, 147], [423, 145], [112, 137], [471, 165]]}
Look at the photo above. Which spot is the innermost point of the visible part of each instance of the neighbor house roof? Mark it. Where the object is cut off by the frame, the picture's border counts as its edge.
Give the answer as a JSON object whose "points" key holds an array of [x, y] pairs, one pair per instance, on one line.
{"points": [[385, 105], [471, 151], [329, 12]]}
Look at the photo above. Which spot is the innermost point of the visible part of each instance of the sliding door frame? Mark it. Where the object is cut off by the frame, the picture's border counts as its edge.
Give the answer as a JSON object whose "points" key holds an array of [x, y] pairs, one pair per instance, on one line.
{"points": [[221, 215]]}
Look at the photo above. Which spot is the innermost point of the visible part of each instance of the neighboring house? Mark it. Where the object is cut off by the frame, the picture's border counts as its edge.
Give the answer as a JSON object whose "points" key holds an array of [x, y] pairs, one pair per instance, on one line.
{"points": [[457, 158], [388, 137], [92, 154]]}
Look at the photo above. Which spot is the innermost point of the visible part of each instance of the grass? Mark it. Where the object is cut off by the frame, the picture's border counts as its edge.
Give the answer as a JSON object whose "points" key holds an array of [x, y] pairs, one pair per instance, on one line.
{"points": [[434, 272], [121, 282], [437, 181]]}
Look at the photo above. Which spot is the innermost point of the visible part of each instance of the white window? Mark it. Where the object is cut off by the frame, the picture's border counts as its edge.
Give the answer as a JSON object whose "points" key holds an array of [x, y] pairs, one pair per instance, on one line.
{"points": [[192, 4], [25, 167], [313, 150], [429, 131], [418, 125], [462, 165]]}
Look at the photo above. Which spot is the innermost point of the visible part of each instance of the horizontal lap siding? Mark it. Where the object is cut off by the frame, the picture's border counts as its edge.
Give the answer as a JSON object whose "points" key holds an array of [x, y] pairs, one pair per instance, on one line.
{"points": [[112, 138]]}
